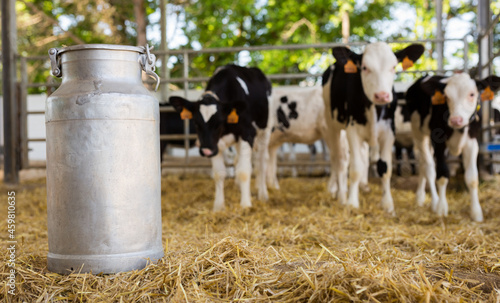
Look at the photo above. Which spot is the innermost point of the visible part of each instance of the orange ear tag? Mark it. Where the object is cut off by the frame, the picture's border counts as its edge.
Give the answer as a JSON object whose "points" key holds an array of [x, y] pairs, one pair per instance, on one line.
{"points": [[186, 114], [350, 67], [233, 117], [407, 63], [438, 98], [487, 94]]}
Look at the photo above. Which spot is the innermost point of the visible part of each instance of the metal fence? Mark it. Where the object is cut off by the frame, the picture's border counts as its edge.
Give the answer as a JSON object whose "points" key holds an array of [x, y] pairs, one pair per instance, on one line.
{"points": [[188, 79]]}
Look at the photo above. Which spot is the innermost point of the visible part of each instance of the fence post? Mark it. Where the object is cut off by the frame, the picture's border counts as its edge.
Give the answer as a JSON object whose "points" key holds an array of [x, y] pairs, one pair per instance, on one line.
{"points": [[483, 66], [23, 117], [165, 73], [9, 49], [186, 122], [439, 35], [466, 54]]}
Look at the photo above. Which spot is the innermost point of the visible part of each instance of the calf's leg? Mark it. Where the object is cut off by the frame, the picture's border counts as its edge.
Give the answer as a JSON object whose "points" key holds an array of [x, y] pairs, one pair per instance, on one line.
{"points": [[443, 175], [426, 172], [272, 167], [356, 166], [262, 144], [219, 175], [338, 147], [384, 168], [469, 157], [244, 171]]}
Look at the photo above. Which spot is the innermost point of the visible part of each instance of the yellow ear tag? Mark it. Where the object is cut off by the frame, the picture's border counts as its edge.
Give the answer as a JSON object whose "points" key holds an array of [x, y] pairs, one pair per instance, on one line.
{"points": [[186, 114], [487, 94], [350, 67], [233, 117], [407, 63], [478, 107], [438, 98]]}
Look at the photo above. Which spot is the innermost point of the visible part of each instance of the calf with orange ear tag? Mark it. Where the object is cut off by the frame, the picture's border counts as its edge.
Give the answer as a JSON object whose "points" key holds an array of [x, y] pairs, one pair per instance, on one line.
{"points": [[448, 123], [233, 110], [358, 94]]}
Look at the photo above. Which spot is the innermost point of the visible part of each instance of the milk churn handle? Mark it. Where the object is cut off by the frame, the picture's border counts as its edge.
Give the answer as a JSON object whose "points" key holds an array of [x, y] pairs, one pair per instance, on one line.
{"points": [[148, 64], [55, 62]]}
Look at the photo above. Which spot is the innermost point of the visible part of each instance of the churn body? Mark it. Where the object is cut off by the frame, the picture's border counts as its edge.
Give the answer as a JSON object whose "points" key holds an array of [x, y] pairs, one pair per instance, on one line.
{"points": [[103, 163]]}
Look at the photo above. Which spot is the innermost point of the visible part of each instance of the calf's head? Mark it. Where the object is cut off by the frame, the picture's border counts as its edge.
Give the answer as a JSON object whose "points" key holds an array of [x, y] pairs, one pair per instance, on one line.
{"points": [[461, 94], [377, 66], [210, 118]]}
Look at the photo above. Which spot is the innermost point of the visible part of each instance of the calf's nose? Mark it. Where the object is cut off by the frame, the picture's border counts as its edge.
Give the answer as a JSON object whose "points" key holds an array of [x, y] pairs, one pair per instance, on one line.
{"points": [[206, 151], [456, 121], [383, 97]]}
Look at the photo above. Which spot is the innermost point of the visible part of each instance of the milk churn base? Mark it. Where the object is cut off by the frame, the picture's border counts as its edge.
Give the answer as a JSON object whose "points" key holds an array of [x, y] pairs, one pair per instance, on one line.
{"points": [[106, 264]]}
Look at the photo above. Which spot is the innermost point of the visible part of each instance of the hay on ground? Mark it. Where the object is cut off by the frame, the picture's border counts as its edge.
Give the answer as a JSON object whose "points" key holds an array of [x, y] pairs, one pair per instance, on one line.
{"points": [[300, 246]]}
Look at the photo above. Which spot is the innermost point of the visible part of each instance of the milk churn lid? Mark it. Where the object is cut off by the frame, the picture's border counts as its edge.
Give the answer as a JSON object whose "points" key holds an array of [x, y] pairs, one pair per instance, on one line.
{"points": [[139, 49], [147, 59]]}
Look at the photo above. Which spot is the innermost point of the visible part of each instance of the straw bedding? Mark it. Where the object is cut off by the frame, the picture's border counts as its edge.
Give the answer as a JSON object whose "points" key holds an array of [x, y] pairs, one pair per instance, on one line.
{"points": [[301, 246]]}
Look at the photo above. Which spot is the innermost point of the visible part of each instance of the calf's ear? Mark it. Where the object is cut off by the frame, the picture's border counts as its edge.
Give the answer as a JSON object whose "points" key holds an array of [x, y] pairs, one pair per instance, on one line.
{"points": [[343, 54], [492, 81], [433, 84], [238, 105], [183, 106], [179, 103], [412, 52]]}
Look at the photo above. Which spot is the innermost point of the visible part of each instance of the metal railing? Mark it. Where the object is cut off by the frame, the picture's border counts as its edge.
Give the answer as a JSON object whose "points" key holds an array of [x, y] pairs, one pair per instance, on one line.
{"points": [[186, 79]]}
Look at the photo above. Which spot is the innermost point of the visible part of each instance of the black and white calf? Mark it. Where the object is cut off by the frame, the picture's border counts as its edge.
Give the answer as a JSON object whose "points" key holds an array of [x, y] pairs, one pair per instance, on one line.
{"points": [[234, 109], [444, 117], [299, 118], [359, 97]]}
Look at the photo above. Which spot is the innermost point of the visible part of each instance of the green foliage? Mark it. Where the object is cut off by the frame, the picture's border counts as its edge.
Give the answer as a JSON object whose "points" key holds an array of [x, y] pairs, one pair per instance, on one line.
{"points": [[43, 24]]}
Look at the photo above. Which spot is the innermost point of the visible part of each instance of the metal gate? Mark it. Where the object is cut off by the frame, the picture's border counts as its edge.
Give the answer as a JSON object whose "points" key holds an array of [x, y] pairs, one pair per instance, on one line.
{"points": [[188, 78]]}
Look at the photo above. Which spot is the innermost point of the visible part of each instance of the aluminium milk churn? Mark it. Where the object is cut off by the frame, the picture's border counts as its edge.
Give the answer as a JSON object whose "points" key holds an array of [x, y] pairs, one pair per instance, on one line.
{"points": [[103, 161]]}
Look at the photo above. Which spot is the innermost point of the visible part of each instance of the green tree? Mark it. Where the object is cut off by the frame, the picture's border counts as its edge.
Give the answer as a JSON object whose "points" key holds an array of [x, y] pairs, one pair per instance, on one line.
{"points": [[224, 23], [45, 24]]}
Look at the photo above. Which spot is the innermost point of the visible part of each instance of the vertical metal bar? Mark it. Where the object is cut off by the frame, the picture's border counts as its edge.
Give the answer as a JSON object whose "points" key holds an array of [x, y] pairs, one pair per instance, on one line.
{"points": [[466, 54], [483, 18], [186, 122], [9, 49], [23, 98], [164, 47], [439, 35]]}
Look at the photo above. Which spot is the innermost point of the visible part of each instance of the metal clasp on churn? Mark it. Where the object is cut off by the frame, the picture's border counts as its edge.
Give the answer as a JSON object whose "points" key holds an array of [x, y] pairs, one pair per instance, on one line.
{"points": [[147, 61], [55, 62]]}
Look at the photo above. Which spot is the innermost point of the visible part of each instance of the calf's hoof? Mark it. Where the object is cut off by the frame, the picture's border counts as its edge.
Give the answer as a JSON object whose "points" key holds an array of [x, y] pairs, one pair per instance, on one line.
{"points": [[442, 209], [263, 196], [342, 197], [365, 188], [477, 215], [420, 198], [354, 203], [434, 205], [218, 208], [388, 205], [246, 204]]}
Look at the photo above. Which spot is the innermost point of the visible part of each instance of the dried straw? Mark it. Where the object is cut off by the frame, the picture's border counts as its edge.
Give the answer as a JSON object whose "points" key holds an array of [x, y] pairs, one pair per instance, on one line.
{"points": [[301, 246]]}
